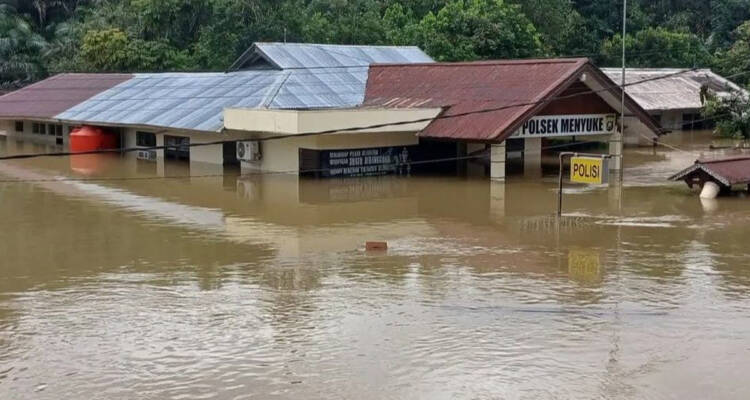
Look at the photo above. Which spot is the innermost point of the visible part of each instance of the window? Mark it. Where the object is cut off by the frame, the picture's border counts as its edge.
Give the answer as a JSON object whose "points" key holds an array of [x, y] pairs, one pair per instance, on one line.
{"points": [[37, 128], [19, 126], [145, 139], [58, 130]]}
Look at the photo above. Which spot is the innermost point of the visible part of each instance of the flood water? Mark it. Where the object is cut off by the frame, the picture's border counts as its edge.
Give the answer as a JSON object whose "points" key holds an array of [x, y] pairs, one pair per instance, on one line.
{"points": [[260, 287]]}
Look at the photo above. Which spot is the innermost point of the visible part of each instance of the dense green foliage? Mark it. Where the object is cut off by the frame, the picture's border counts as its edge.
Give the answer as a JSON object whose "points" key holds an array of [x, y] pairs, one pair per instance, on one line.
{"points": [[732, 115], [43, 37]]}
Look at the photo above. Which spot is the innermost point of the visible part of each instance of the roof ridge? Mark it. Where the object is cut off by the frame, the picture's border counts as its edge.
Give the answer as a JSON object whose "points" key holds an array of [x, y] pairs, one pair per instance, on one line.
{"points": [[723, 159], [482, 63], [336, 45]]}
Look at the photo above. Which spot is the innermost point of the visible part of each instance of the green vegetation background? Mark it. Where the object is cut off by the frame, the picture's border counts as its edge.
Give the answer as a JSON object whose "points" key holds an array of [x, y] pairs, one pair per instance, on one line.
{"points": [[39, 38]]}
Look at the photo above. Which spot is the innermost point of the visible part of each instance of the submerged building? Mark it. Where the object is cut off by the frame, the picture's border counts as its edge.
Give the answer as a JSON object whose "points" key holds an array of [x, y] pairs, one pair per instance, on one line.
{"points": [[671, 95], [161, 109], [384, 109]]}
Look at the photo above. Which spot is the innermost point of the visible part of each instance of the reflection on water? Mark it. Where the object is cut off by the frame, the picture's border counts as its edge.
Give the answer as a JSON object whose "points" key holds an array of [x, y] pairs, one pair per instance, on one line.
{"points": [[259, 287]]}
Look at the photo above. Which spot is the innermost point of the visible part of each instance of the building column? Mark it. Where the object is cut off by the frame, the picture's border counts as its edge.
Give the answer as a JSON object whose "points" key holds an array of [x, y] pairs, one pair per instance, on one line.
{"points": [[615, 151], [532, 157], [497, 199], [497, 162]]}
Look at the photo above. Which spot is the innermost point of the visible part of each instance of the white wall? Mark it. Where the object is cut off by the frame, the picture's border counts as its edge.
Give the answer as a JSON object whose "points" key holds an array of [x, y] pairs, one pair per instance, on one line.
{"points": [[8, 128], [292, 122]]}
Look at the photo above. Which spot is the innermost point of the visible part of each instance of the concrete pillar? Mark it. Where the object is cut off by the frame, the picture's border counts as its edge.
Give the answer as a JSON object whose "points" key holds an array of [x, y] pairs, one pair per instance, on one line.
{"points": [[497, 162], [614, 196], [160, 168], [532, 157], [497, 199], [615, 150]]}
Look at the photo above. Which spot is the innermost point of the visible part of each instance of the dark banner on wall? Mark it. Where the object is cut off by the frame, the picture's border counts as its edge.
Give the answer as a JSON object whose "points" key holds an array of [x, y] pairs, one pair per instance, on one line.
{"points": [[346, 163]]}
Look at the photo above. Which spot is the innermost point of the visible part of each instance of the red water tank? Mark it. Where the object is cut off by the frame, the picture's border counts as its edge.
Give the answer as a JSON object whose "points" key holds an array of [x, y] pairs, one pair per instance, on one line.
{"points": [[89, 138]]}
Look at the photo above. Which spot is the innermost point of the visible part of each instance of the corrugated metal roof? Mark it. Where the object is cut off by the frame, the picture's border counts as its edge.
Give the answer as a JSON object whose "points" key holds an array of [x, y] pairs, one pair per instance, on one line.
{"points": [[310, 76], [306, 55], [728, 170], [196, 101], [465, 87], [678, 92], [51, 96]]}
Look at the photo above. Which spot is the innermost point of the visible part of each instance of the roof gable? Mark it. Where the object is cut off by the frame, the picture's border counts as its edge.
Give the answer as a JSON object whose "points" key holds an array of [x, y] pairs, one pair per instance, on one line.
{"points": [[310, 55]]}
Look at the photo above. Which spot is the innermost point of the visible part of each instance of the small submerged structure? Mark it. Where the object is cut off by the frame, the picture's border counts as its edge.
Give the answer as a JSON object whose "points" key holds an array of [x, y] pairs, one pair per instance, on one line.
{"points": [[716, 176]]}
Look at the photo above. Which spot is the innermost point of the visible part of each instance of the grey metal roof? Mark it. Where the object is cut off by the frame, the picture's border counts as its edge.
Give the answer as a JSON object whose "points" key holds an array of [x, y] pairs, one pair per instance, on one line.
{"points": [[283, 76], [306, 55], [196, 101], [678, 92]]}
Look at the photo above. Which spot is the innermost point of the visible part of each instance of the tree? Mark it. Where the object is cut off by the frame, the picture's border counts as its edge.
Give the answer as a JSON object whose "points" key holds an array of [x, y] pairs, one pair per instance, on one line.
{"points": [[563, 30], [401, 25], [735, 62], [20, 49], [478, 29], [106, 50], [725, 17], [112, 50], [732, 113], [656, 48]]}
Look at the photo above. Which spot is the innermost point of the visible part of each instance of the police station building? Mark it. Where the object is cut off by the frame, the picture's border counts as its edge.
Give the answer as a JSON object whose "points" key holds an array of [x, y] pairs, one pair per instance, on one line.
{"points": [[396, 112], [472, 117]]}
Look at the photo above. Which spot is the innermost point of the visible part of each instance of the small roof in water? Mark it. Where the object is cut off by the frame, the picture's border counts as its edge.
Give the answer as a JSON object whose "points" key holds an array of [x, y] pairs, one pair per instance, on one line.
{"points": [[728, 170]]}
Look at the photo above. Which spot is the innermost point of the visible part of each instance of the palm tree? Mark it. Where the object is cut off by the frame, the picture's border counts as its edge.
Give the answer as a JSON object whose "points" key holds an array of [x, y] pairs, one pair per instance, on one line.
{"points": [[20, 49]]}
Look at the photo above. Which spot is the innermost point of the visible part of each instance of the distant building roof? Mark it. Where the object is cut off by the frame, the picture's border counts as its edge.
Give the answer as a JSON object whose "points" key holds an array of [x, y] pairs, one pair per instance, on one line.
{"points": [[514, 90], [307, 55], [678, 92], [727, 171], [52, 96]]}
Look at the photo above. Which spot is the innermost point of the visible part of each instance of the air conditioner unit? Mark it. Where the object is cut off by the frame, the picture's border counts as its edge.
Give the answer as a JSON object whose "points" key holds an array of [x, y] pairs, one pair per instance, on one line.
{"points": [[248, 151], [149, 155]]}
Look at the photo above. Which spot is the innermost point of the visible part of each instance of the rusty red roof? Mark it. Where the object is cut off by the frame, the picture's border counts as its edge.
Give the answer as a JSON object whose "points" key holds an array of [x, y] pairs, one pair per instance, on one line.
{"points": [[54, 95], [469, 86], [727, 170]]}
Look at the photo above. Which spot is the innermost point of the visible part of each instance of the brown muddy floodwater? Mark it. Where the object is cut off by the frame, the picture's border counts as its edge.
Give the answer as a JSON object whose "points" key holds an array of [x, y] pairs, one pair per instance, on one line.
{"points": [[259, 287]]}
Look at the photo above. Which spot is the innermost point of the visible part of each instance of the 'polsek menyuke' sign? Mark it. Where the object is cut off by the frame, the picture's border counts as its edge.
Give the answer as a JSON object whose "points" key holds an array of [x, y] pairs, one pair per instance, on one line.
{"points": [[567, 125], [362, 162]]}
